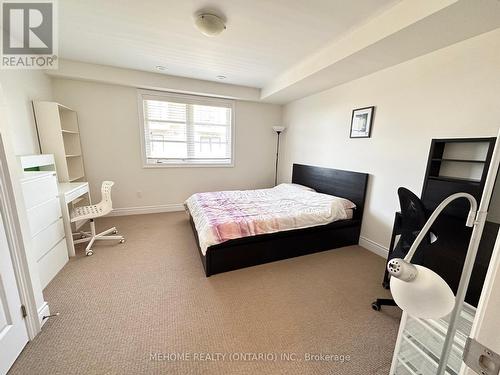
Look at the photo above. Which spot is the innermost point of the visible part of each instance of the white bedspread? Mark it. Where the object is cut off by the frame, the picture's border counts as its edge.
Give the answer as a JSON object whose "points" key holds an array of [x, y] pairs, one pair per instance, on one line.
{"points": [[225, 215]]}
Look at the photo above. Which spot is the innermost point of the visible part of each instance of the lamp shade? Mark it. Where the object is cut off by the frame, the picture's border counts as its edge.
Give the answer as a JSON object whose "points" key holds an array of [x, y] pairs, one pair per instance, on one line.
{"points": [[427, 296], [278, 129]]}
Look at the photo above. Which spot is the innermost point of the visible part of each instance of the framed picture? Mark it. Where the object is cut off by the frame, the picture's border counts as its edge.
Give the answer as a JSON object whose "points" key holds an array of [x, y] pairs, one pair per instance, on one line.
{"points": [[361, 122]]}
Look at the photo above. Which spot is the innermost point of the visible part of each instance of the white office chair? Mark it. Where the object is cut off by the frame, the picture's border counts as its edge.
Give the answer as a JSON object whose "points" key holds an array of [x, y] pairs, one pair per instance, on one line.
{"points": [[92, 212]]}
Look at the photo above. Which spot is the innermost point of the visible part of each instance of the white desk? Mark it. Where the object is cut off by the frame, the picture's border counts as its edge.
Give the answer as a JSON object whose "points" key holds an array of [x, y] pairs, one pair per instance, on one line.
{"points": [[71, 192]]}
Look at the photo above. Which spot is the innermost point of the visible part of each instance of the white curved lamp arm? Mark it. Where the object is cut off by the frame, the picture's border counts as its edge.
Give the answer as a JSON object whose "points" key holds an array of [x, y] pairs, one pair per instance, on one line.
{"points": [[476, 219], [407, 272], [471, 217]]}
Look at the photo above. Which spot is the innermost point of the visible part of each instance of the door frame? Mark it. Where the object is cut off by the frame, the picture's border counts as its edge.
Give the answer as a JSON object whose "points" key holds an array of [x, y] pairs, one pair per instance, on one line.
{"points": [[18, 255], [480, 327]]}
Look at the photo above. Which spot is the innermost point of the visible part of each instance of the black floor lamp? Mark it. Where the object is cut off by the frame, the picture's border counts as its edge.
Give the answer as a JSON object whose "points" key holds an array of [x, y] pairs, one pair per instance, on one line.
{"points": [[278, 130]]}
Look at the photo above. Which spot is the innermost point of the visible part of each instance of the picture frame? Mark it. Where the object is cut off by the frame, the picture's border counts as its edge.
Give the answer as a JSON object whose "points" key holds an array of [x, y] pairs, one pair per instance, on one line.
{"points": [[361, 122]]}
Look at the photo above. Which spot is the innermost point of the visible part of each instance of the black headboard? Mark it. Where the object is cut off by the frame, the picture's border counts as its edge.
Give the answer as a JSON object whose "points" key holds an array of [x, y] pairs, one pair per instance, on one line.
{"points": [[345, 184]]}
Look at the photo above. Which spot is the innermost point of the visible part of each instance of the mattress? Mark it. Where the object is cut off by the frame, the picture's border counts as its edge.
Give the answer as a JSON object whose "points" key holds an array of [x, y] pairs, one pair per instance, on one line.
{"points": [[225, 215]]}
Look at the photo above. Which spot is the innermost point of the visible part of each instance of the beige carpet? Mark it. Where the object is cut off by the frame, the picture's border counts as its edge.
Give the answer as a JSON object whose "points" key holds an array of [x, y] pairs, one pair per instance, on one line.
{"points": [[150, 296]]}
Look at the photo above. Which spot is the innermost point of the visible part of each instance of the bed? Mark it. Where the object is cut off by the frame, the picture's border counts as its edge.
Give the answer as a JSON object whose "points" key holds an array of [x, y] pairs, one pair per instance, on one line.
{"points": [[263, 248]]}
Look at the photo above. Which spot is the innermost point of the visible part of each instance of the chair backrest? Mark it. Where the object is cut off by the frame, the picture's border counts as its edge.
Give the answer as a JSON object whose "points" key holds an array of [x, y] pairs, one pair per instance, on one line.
{"points": [[413, 217], [106, 203]]}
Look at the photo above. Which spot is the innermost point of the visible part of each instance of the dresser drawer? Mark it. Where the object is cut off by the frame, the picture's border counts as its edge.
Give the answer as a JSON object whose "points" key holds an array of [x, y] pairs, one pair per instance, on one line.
{"points": [[52, 262], [39, 190], [48, 238], [43, 215]]}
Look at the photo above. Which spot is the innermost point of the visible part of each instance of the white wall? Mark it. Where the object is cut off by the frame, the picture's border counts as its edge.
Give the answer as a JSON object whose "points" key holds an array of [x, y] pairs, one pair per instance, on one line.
{"points": [[109, 126], [21, 87], [453, 92], [18, 132]]}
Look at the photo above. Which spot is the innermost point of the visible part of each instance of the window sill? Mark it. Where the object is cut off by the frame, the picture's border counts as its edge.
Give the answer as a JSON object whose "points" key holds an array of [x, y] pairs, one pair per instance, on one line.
{"points": [[186, 165]]}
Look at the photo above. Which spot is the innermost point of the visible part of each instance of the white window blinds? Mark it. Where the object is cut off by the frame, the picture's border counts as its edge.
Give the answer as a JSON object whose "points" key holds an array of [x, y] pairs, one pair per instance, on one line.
{"points": [[182, 129]]}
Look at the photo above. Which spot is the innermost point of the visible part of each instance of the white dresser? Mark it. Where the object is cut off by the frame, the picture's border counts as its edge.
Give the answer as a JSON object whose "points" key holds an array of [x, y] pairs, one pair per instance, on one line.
{"points": [[41, 197], [420, 341]]}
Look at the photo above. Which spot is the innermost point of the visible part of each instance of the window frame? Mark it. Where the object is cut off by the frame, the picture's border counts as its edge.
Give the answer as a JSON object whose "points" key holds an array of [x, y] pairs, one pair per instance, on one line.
{"points": [[188, 99]]}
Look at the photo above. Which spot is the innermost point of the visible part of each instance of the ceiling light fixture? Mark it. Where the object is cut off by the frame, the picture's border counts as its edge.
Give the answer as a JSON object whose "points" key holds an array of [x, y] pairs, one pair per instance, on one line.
{"points": [[221, 77], [210, 24], [161, 67]]}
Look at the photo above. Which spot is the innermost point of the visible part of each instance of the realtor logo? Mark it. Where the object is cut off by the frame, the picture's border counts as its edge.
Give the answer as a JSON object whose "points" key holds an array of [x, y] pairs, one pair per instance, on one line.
{"points": [[28, 35]]}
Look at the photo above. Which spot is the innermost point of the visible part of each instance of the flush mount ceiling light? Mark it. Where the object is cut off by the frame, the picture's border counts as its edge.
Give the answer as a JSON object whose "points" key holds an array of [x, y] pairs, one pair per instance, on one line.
{"points": [[221, 77], [160, 67], [210, 24]]}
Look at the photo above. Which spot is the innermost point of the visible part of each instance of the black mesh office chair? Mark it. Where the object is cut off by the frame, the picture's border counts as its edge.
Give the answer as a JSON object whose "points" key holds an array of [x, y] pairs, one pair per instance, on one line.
{"points": [[413, 219]]}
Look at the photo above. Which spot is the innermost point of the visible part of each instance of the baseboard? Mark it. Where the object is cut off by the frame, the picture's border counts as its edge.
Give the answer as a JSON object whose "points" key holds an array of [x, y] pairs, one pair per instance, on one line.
{"points": [[146, 209], [43, 311], [373, 247]]}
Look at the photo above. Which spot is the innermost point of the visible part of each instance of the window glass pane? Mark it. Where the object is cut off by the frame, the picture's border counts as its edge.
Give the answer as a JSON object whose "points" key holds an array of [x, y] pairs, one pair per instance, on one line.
{"points": [[189, 133], [170, 131], [159, 148], [211, 141], [204, 114], [160, 110], [211, 148]]}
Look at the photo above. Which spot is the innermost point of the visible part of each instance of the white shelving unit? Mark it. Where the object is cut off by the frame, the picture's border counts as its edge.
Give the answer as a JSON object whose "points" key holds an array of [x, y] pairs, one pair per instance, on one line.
{"points": [[420, 341], [59, 134]]}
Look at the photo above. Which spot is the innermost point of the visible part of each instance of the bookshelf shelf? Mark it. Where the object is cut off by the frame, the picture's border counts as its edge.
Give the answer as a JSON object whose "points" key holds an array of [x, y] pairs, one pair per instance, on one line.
{"points": [[59, 134], [459, 160], [455, 179], [76, 178]]}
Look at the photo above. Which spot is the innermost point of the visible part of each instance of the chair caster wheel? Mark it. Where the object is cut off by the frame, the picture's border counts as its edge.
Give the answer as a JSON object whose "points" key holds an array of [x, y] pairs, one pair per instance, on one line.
{"points": [[375, 306], [115, 231], [122, 240], [89, 253]]}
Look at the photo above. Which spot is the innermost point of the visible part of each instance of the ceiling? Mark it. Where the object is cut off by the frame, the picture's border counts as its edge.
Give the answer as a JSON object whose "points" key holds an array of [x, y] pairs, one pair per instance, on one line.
{"points": [[263, 37], [404, 32]]}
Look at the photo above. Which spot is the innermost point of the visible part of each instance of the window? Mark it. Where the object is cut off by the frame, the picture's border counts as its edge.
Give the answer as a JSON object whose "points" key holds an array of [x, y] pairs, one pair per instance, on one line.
{"points": [[186, 130]]}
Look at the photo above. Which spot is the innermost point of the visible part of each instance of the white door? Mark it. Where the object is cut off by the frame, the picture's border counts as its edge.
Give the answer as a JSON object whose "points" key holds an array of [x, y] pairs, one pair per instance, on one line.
{"points": [[486, 327], [13, 334]]}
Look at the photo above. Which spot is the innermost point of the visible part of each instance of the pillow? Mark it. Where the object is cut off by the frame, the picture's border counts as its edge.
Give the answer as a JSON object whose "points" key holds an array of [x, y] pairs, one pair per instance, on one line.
{"points": [[346, 203], [296, 186]]}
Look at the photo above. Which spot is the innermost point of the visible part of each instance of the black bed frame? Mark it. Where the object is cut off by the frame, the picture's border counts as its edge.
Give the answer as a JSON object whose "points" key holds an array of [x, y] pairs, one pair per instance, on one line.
{"points": [[254, 250]]}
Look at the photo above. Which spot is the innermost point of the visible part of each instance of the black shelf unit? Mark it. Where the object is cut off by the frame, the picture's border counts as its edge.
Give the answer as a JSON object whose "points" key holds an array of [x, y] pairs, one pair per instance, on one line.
{"points": [[437, 186], [453, 236]]}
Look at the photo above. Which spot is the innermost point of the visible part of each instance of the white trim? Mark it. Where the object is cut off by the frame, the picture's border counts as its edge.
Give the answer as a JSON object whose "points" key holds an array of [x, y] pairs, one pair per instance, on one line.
{"points": [[488, 296], [185, 98], [14, 236], [43, 311], [187, 165], [123, 211], [373, 246]]}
